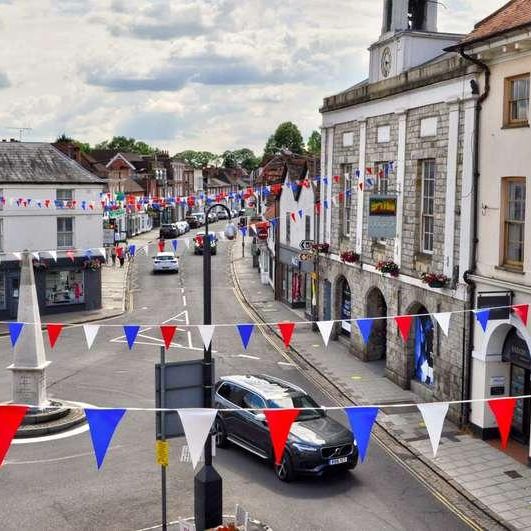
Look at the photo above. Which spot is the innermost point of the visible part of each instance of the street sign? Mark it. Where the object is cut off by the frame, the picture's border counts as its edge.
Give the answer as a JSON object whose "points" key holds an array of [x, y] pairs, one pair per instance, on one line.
{"points": [[305, 257], [306, 245]]}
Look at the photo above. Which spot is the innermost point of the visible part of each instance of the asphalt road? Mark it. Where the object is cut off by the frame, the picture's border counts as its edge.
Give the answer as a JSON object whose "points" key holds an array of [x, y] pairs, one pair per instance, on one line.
{"points": [[55, 484]]}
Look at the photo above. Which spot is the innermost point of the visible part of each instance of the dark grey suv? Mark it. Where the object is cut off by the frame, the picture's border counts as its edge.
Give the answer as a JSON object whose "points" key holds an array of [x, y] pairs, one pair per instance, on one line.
{"points": [[316, 442]]}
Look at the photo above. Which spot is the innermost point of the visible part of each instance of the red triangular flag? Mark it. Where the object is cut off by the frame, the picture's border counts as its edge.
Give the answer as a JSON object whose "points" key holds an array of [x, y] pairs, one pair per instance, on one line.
{"points": [[10, 419], [279, 422], [404, 325], [162, 243], [336, 178], [522, 310], [293, 216], [503, 412], [54, 331], [167, 333], [70, 255], [286, 329]]}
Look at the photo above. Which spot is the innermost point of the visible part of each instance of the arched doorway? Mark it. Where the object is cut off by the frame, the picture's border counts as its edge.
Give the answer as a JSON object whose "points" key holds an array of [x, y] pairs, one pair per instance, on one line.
{"points": [[516, 352], [377, 307], [344, 298], [421, 347]]}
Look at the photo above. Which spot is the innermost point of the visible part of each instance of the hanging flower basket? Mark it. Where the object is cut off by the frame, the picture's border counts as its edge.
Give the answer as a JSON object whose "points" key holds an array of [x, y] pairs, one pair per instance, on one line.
{"points": [[321, 247], [388, 266], [434, 280], [350, 257]]}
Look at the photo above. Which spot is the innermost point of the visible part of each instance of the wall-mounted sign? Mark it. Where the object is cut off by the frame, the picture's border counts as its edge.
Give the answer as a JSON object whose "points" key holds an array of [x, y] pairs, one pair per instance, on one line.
{"points": [[304, 257], [306, 245], [382, 216]]}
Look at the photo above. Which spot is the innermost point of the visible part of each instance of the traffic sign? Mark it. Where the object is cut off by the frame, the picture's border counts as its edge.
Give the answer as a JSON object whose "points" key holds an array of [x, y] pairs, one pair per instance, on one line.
{"points": [[306, 245], [304, 257]]}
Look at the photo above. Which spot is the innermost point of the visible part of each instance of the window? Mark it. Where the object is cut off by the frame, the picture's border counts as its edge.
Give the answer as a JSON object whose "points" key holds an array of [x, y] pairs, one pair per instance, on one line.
{"points": [[2, 201], [514, 221], [65, 194], [381, 172], [288, 228], [252, 401], [346, 171], [388, 14], [416, 14], [1, 235], [427, 208], [2, 291], [517, 100], [64, 287], [65, 233], [348, 139], [307, 228], [383, 134]]}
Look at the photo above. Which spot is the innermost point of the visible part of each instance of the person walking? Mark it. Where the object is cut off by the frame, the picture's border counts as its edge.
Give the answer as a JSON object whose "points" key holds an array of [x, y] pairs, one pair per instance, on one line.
{"points": [[113, 256]]}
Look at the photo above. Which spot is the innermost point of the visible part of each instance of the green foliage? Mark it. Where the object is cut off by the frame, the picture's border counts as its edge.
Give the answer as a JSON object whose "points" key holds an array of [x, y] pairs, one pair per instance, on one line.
{"points": [[83, 146], [287, 136], [243, 158], [198, 159], [313, 146], [129, 145]]}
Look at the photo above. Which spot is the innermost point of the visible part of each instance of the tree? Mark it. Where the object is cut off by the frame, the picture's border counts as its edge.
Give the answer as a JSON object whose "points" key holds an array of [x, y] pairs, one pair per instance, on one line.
{"points": [[83, 146], [130, 145], [198, 159], [313, 145], [287, 136], [244, 158]]}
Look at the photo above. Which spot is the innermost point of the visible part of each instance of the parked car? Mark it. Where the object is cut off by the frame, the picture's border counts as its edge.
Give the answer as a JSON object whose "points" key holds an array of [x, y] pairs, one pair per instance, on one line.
{"points": [[193, 222], [168, 231], [223, 214], [200, 217], [183, 227], [165, 262], [212, 217], [316, 442], [199, 243]]}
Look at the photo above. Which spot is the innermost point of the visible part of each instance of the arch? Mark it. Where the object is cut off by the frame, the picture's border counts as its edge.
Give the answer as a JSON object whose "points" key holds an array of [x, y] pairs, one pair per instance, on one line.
{"points": [[420, 345], [376, 306], [495, 336], [343, 305]]}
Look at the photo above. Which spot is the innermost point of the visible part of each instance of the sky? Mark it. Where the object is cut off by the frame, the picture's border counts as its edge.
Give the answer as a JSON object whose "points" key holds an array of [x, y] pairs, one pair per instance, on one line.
{"points": [[186, 74]]}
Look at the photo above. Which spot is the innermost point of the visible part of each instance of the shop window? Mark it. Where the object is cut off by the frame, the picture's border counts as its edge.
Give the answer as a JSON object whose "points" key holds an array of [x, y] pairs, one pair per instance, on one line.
{"points": [[516, 102], [428, 205], [345, 308], [64, 287], [424, 349], [514, 196], [65, 233], [2, 291]]}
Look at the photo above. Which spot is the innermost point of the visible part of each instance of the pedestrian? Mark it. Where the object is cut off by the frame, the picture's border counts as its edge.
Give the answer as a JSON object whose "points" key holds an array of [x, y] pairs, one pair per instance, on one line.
{"points": [[113, 256]]}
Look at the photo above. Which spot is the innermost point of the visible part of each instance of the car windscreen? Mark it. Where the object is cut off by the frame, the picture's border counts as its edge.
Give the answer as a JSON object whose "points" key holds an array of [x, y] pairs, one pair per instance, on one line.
{"points": [[297, 400], [165, 258]]}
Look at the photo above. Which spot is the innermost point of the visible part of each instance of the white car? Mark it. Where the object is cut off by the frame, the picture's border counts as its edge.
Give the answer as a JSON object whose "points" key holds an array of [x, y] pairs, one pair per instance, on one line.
{"points": [[183, 227], [165, 262]]}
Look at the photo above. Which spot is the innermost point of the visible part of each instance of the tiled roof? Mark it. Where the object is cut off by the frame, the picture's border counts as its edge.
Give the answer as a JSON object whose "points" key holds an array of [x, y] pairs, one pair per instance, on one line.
{"points": [[514, 14], [40, 163]]}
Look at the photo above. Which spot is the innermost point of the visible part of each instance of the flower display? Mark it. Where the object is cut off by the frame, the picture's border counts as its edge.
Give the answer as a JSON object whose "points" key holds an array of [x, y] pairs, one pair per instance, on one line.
{"points": [[434, 280], [388, 266], [350, 257]]}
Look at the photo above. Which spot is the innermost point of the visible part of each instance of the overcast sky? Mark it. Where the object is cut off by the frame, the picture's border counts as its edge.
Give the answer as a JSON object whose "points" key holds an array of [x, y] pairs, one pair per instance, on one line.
{"points": [[183, 74]]}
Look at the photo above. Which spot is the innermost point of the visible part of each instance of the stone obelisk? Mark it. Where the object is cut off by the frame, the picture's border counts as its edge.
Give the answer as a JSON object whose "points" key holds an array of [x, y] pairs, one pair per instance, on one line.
{"points": [[29, 358]]}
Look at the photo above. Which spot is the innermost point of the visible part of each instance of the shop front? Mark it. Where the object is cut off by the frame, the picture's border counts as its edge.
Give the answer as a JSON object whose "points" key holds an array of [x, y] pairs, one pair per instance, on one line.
{"points": [[295, 279]]}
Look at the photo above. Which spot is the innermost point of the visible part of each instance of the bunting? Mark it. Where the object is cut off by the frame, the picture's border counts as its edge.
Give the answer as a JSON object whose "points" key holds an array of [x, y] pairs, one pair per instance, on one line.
{"points": [[14, 332], [361, 421], [245, 331], [10, 419], [91, 331], [167, 332], [433, 416], [102, 424], [404, 325], [286, 330], [325, 327], [483, 318], [54, 331], [279, 422], [197, 424], [365, 326], [206, 332], [131, 331], [503, 411], [522, 311], [444, 321]]}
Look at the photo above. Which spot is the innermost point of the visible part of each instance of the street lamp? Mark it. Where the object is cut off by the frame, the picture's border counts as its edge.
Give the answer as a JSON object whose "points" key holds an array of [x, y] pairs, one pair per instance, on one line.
{"points": [[208, 490]]}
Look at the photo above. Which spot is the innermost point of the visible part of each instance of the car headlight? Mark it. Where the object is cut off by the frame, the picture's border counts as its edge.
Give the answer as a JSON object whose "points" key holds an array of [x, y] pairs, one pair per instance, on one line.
{"points": [[305, 447]]}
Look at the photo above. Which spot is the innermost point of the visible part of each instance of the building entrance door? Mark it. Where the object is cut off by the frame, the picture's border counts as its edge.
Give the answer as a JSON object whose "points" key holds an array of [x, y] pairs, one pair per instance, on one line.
{"points": [[14, 286], [520, 385]]}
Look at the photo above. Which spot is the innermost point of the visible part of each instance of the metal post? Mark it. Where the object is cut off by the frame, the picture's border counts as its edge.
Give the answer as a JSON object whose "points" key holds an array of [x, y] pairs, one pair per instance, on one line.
{"points": [[163, 433]]}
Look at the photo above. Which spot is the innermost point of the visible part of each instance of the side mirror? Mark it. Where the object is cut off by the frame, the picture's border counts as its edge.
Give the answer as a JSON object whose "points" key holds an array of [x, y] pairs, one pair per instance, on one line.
{"points": [[260, 417]]}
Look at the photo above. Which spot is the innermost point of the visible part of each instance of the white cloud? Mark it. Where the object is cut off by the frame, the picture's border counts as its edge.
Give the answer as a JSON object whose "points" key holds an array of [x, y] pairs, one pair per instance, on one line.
{"points": [[205, 74]]}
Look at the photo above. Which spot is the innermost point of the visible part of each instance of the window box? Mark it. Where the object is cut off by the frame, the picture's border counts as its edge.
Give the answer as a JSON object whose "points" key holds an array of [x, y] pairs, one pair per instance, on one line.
{"points": [[388, 266], [350, 257], [434, 280]]}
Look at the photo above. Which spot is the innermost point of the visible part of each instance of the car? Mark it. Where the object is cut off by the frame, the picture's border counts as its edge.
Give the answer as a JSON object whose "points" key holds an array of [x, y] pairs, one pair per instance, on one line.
{"points": [[165, 262], [193, 222], [168, 231], [223, 214], [200, 217], [316, 442], [198, 243], [183, 227], [212, 217]]}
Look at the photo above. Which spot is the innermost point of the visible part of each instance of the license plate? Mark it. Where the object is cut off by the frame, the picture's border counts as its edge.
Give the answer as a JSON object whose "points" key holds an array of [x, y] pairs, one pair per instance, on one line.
{"points": [[338, 461]]}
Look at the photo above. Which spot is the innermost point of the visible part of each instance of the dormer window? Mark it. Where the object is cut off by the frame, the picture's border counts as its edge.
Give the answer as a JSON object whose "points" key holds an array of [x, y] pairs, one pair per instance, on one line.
{"points": [[416, 14]]}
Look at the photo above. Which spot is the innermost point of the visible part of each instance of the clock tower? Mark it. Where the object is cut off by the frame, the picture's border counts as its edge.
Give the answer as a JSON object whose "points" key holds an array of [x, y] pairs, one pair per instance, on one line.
{"points": [[409, 38]]}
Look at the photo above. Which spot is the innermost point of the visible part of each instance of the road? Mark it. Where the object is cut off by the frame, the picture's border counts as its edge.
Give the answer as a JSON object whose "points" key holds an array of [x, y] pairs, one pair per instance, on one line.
{"points": [[56, 485]]}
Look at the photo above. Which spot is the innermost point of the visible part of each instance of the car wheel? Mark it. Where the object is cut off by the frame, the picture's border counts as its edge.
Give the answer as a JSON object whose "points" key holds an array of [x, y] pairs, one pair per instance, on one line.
{"points": [[284, 471], [220, 434]]}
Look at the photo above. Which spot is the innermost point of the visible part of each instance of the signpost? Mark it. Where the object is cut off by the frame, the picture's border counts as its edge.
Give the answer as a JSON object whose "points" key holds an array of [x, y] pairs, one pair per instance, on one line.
{"points": [[306, 245]]}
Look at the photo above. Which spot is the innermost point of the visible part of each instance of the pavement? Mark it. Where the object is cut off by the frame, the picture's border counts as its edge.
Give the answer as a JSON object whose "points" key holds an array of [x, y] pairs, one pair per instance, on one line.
{"points": [[492, 480]]}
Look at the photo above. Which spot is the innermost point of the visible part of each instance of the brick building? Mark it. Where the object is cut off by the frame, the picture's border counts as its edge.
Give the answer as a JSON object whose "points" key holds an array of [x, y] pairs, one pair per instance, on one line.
{"points": [[400, 144]]}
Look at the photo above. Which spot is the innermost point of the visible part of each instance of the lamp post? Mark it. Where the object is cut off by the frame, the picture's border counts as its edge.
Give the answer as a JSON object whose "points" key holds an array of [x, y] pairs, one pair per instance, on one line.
{"points": [[208, 509]]}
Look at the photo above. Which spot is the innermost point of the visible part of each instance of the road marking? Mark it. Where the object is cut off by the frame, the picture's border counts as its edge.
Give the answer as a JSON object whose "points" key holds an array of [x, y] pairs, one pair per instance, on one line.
{"points": [[184, 300], [247, 356], [286, 363], [57, 459]]}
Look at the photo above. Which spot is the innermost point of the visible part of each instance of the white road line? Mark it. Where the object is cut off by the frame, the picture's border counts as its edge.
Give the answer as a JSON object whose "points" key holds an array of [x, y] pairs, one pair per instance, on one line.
{"points": [[286, 363], [184, 300], [56, 459], [247, 356]]}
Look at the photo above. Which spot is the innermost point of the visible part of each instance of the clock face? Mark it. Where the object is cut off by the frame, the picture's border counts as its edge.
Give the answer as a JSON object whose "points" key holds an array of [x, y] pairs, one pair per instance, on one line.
{"points": [[386, 61]]}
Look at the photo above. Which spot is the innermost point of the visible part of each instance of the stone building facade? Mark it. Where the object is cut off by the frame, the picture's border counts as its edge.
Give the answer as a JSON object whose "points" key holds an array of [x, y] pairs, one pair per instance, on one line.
{"points": [[406, 138]]}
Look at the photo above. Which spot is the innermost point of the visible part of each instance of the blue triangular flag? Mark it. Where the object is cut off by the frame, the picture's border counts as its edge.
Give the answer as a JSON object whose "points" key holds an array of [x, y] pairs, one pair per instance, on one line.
{"points": [[14, 332], [301, 212], [88, 254], [243, 230], [132, 249], [483, 318], [131, 332], [174, 244], [325, 181], [326, 203], [245, 331], [102, 424], [365, 326], [274, 222], [361, 420]]}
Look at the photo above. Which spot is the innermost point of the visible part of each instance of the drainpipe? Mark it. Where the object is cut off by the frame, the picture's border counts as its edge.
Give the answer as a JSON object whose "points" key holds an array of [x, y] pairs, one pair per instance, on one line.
{"points": [[467, 365]]}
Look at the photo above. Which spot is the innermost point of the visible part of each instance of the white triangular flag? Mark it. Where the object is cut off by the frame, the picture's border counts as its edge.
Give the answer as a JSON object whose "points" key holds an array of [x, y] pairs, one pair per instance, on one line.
{"points": [[18, 256], [206, 331], [103, 252], [91, 332], [187, 242], [434, 415], [444, 321], [36, 255], [197, 424], [253, 228], [53, 254], [325, 327]]}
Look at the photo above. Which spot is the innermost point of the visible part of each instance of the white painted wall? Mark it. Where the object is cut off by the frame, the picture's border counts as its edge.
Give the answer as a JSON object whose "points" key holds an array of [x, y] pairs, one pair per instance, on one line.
{"points": [[289, 204]]}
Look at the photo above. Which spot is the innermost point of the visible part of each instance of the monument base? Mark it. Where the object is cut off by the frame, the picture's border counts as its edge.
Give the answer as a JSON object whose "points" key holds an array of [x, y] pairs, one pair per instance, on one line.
{"points": [[29, 385]]}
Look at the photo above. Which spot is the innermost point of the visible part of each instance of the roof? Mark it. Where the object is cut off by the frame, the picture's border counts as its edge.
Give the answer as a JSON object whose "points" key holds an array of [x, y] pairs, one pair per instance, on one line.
{"points": [[513, 15], [41, 163], [267, 386]]}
